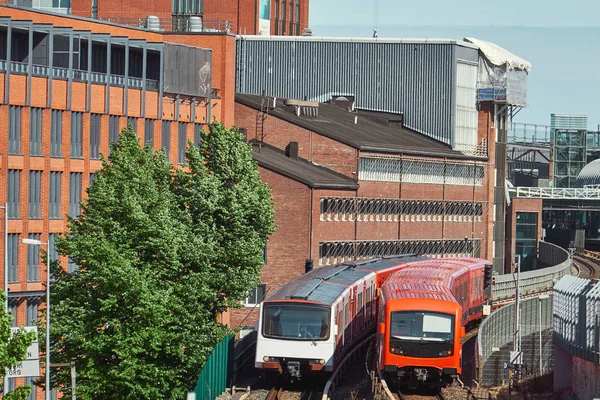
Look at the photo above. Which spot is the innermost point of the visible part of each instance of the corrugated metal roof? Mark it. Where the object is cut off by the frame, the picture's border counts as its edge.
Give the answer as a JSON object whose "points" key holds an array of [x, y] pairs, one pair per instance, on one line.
{"points": [[416, 77], [301, 170]]}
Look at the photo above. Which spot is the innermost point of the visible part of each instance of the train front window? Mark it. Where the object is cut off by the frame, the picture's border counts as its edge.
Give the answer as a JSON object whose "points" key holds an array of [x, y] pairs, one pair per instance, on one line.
{"points": [[296, 321], [422, 326]]}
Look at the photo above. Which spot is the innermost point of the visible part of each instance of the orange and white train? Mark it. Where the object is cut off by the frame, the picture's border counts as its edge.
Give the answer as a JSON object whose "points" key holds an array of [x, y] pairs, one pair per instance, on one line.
{"points": [[424, 308]]}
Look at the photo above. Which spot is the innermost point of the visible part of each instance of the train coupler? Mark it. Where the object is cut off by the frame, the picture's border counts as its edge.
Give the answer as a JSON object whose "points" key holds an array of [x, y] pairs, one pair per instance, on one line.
{"points": [[293, 369]]}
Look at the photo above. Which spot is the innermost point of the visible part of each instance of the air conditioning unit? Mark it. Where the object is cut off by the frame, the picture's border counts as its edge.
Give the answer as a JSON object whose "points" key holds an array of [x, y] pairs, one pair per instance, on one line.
{"points": [[153, 23], [195, 24]]}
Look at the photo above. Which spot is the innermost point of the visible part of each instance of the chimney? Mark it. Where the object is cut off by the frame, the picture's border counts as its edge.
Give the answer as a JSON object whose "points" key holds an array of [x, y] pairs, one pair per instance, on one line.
{"points": [[292, 150]]}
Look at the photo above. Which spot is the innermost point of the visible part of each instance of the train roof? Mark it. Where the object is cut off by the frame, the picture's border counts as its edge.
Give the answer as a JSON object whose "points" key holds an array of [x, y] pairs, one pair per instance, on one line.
{"points": [[428, 278], [326, 284]]}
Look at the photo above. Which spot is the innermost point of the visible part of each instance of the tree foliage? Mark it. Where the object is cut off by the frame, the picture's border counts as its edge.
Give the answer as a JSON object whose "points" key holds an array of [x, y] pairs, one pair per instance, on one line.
{"points": [[160, 253], [13, 349]]}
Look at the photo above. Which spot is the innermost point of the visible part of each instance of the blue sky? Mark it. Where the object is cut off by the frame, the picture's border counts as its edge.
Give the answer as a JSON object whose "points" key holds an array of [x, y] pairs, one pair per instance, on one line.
{"points": [[561, 40]]}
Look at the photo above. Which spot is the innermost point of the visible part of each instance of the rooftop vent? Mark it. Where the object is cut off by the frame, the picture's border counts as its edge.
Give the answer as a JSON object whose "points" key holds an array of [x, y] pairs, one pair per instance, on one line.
{"points": [[306, 32], [292, 150], [303, 107], [195, 24], [153, 23]]}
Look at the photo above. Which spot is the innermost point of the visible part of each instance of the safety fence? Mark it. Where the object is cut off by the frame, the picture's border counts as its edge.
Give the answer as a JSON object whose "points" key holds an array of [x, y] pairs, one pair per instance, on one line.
{"points": [[216, 373], [538, 280], [496, 340], [577, 317]]}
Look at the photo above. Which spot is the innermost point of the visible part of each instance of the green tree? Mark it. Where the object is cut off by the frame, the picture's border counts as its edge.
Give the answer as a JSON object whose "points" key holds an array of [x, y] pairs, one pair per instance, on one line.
{"points": [[13, 349], [140, 314]]}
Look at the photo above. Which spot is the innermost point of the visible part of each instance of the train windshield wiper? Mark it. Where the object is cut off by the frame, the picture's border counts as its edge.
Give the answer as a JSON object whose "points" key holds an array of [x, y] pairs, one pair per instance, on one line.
{"points": [[421, 339]]}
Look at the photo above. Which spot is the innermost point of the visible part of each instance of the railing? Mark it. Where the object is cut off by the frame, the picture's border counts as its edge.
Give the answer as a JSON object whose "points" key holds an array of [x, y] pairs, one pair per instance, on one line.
{"points": [[556, 193], [538, 280], [577, 317], [178, 23], [529, 134]]}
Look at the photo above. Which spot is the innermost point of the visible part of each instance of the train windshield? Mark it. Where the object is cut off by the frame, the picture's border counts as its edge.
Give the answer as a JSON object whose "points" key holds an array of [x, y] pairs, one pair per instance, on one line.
{"points": [[422, 326], [296, 321]]}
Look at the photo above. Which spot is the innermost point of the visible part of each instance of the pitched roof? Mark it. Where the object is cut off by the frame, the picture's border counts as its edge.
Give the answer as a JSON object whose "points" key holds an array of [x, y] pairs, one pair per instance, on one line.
{"points": [[370, 133], [301, 170]]}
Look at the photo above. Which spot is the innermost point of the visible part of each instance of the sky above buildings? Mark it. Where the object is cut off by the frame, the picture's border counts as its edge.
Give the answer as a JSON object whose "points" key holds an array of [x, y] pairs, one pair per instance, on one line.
{"points": [[560, 39]]}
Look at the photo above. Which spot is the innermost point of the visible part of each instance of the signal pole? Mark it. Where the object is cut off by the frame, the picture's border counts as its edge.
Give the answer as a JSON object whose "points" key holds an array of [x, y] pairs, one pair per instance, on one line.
{"points": [[516, 355]]}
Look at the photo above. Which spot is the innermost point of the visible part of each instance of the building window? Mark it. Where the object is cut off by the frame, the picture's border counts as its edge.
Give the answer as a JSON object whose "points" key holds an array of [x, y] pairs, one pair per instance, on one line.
{"points": [[13, 193], [33, 259], [76, 134], [74, 193], [13, 257], [71, 266], [14, 130], [55, 195], [149, 132], [32, 310], [52, 247], [298, 17], [56, 134], [30, 381], [35, 132], [256, 295], [113, 129], [11, 384], [13, 308], [283, 16], [92, 179], [35, 188], [526, 239], [197, 135], [181, 142], [166, 138], [95, 126], [133, 122]]}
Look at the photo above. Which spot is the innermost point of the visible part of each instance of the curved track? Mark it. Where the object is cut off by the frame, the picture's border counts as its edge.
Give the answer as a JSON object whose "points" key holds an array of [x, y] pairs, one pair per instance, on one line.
{"points": [[404, 396], [589, 267]]}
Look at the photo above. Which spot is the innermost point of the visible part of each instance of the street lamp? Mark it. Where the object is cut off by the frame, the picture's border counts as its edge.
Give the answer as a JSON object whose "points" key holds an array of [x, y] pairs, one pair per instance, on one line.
{"points": [[34, 242], [540, 298]]}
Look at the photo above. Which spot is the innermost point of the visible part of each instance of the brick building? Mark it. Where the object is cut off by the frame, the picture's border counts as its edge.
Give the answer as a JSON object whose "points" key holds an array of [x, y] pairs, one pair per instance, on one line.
{"points": [[252, 17], [68, 85], [411, 194]]}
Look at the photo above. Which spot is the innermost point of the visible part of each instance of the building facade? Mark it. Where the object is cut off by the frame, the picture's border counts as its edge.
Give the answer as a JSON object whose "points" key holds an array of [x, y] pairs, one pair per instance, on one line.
{"points": [[68, 85], [251, 17], [412, 194]]}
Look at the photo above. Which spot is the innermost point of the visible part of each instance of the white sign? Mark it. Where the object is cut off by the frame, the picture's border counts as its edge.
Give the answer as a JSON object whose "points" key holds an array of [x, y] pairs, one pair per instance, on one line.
{"points": [[31, 365], [487, 309], [516, 357]]}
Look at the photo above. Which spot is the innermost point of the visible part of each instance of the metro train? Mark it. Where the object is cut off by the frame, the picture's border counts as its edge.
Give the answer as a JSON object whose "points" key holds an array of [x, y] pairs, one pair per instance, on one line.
{"points": [[424, 309], [309, 324]]}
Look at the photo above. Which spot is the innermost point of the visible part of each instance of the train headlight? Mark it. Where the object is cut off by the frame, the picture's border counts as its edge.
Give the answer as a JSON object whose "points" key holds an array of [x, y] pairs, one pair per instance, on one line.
{"points": [[445, 353], [322, 362], [266, 358]]}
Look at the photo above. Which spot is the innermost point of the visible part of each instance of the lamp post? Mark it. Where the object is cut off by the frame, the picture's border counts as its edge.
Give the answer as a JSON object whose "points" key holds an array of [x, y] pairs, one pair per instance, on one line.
{"points": [[540, 298], [34, 242]]}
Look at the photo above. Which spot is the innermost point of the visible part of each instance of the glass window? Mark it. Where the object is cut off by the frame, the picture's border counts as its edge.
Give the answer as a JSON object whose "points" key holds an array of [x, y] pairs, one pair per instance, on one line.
{"points": [[422, 326], [30, 381], [296, 321], [56, 134], [166, 137], [13, 193], [95, 126], [197, 134], [14, 130], [181, 142], [256, 295], [55, 194], [76, 134], [12, 304], [74, 193], [35, 132], [149, 132], [35, 187], [113, 129], [526, 239], [13, 257], [33, 259], [52, 247], [32, 310], [133, 122]]}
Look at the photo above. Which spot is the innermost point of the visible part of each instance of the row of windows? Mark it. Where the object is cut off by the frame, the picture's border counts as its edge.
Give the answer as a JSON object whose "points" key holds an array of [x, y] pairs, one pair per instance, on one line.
{"points": [[331, 253], [420, 171], [388, 210], [76, 148], [33, 257], [35, 189]]}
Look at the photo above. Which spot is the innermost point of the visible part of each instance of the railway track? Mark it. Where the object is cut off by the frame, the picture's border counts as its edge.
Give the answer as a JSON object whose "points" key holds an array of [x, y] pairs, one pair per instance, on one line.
{"points": [[588, 267], [279, 393], [404, 396], [276, 393]]}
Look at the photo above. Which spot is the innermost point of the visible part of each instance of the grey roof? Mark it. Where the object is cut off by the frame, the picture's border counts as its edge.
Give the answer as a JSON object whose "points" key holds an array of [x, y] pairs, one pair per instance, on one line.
{"points": [[325, 285], [370, 133], [589, 175], [301, 170]]}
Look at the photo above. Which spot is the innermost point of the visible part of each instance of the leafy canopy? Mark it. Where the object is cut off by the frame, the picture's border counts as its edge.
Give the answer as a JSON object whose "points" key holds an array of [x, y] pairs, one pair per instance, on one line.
{"points": [[160, 253], [13, 349]]}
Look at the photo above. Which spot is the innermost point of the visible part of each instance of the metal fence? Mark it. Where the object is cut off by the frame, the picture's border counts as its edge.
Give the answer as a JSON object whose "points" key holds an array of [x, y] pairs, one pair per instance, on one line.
{"points": [[538, 280], [216, 373], [577, 317], [495, 340]]}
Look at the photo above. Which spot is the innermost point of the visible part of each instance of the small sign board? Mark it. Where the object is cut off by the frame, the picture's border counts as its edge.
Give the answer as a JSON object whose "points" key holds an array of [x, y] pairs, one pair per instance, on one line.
{"points": [[487, 309], [516, 357], [495, 349], [31, 365]]}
